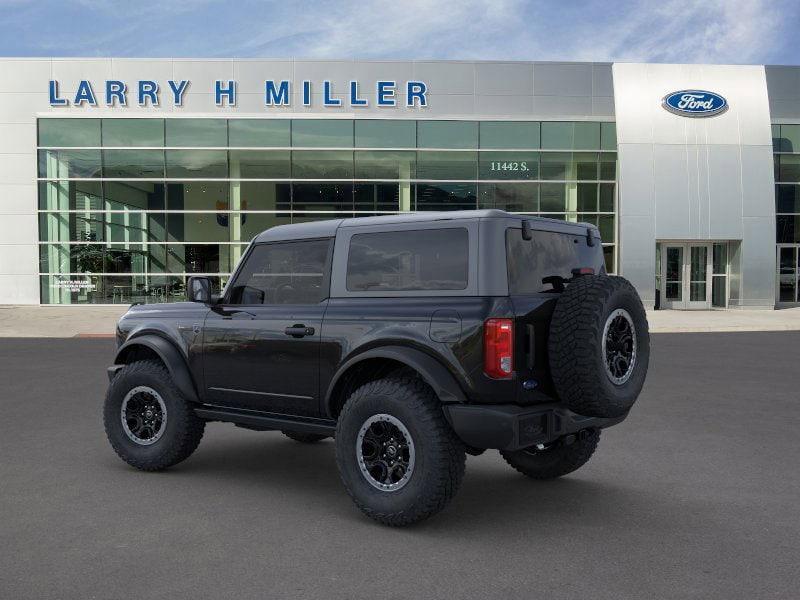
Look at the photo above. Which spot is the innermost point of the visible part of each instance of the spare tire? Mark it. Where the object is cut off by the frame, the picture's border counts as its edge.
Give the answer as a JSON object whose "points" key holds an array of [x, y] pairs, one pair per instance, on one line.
{"points": [[599, 346]]}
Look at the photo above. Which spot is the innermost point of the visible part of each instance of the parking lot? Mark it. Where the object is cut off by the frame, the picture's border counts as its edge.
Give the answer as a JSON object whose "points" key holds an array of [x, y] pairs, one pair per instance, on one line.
{"points": [[694, 496]]}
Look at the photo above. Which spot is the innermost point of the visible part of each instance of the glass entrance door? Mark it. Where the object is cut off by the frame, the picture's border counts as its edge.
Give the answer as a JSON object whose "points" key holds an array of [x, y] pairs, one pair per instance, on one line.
{"points": [[788, 274], [699, 275], [672, 262], [686, 275]]}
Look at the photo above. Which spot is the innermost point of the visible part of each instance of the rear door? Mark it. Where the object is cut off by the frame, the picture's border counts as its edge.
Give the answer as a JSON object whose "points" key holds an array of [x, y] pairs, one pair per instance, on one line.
{"points": [[261, 343], [537, 271]]}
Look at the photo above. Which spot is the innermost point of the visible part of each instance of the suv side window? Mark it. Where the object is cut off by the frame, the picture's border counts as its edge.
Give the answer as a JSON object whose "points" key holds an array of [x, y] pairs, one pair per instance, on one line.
{"points": [[426, 259], [284, 273]]}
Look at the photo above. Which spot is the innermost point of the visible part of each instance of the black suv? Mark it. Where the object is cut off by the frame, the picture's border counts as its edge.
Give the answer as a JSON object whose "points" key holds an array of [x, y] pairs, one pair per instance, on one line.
{"points": [[411, 339]]}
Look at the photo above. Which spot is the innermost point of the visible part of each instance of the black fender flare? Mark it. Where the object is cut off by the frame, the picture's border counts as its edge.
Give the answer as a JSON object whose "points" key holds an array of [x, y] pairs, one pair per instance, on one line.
{"points": [[169, 355], [433, 372]]}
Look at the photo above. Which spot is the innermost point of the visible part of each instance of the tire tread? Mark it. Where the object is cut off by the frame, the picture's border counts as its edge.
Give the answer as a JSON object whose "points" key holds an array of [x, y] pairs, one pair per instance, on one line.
{"points": [[190, 427], [447, 450], [555, 462], [576, 332]]}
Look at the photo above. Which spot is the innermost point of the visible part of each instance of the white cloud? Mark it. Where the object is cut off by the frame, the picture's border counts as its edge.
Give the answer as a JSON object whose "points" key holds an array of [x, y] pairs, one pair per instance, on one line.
{"points": [[415, 28], [713, 31], [735, 31], [716, 31]]}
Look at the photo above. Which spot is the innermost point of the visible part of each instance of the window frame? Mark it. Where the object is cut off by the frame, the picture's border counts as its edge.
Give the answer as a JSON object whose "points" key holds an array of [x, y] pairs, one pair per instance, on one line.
{"points": [[341, 253], [326, 273]]}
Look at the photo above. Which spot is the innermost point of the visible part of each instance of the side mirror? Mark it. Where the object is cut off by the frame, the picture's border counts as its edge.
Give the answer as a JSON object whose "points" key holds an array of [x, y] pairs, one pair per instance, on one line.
{"points": [[198, 289]]}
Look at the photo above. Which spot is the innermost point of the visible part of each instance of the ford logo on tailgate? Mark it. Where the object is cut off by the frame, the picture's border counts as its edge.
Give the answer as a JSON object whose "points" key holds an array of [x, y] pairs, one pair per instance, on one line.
{"points": [[695, 103]]}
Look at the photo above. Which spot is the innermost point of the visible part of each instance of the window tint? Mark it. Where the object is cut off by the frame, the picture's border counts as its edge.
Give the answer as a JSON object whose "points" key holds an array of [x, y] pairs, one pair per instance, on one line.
{"points": [[63, 133], [509, 134], [447, 134], [322, 133], [197, 163], [608, 136], [270, 133], [67, 164], [322, 164], [548, 254], [284, 273], [259, 164], [197, 132], [385, 134], [433, 259], [568, 135], [133, 132], [125, 164], [385, 164]]}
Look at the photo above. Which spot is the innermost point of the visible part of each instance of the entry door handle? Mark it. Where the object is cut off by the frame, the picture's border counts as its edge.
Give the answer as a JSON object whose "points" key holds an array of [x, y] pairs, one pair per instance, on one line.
{"points": [[298, 331]]}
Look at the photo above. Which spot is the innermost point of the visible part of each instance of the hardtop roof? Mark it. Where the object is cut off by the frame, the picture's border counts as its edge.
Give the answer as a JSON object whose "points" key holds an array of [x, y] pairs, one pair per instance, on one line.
{"points": [[320, 229]]}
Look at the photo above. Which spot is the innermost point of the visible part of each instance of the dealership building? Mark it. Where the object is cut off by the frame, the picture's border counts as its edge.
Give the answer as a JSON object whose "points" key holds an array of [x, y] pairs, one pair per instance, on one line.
{"points": [[121, 177]]}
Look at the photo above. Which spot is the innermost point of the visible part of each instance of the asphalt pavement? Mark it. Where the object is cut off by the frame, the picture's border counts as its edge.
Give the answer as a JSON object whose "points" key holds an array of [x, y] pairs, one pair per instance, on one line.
{"points": [[696, 495]]}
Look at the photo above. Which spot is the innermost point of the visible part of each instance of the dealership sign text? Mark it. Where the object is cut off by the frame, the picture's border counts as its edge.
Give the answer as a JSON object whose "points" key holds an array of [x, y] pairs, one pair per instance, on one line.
{"points": [[275, 93], [695, 103]]}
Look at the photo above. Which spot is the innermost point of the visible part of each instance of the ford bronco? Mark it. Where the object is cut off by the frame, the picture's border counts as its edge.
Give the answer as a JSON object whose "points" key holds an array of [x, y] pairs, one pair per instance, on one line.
{"points": [[411, 339]]}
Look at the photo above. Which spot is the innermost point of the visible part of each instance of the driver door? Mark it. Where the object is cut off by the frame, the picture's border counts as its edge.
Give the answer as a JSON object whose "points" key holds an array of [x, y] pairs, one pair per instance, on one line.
{"points": [[262, 341]]}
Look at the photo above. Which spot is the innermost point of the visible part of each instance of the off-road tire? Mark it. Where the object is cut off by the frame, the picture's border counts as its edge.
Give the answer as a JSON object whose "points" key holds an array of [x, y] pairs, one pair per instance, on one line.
{"points": [[439, 454], [555, 461], [304, 438], [182, 432], [575, 346]]}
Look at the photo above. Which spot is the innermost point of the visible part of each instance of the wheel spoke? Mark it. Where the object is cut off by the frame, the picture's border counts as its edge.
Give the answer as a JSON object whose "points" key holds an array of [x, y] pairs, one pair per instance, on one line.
{"points": [[143, 415], [385, 452], [619, 344]]}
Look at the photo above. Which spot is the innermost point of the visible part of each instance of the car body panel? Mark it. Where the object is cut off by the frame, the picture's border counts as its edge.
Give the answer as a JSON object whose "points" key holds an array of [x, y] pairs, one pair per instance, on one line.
{"points": [[240, 358]]}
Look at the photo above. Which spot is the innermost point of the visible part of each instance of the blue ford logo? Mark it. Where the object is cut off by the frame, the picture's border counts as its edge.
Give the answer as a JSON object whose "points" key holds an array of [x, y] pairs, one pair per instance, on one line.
{"points": [[695, 103]]}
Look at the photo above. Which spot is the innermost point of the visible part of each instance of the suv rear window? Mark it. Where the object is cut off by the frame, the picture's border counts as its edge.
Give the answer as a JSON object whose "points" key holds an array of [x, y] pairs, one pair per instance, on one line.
{"points": [[547, 254], [428, 259]]}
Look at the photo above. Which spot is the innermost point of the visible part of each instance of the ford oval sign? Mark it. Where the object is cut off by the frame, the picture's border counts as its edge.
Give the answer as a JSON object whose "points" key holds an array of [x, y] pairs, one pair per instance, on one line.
{"points": [[695, 103]]}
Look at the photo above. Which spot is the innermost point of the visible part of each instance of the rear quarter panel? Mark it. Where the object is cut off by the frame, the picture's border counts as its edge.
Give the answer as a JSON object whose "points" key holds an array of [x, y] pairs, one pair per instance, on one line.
{"points": [[354, 325]]}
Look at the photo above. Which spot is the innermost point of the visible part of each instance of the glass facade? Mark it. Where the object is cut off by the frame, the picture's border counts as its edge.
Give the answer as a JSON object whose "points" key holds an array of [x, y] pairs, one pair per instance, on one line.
{"points": [[128, 208], [786, 148]]}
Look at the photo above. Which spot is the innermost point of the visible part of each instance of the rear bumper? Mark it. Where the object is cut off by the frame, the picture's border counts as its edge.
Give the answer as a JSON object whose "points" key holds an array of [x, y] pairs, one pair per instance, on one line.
{"points": [[511, 427]]}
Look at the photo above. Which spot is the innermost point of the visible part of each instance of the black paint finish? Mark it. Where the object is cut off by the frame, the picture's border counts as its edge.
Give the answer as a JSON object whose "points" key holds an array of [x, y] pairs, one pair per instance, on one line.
{"points": [[286, 359]]}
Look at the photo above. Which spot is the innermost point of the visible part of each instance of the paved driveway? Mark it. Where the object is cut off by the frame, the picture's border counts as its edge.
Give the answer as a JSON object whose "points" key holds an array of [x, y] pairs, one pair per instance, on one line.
{"points": [[695, 496]]}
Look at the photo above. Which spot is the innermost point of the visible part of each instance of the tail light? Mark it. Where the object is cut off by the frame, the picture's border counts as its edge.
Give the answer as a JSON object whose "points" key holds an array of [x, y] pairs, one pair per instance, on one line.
{"points": [[498, 348]]}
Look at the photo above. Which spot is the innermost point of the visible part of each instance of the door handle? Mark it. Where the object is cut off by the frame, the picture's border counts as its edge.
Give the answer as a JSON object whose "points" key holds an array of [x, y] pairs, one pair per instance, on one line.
{"points": [[298, 331]]}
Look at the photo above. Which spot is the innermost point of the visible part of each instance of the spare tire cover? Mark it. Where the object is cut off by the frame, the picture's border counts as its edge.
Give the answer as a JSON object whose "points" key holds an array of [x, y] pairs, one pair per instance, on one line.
{"points": [[599, 346]]}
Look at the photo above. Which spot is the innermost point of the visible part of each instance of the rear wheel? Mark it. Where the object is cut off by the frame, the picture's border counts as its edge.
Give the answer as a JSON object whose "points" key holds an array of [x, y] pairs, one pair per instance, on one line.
{"points": [[562, 457], [397, 456], [304, 438], [148, 422]]}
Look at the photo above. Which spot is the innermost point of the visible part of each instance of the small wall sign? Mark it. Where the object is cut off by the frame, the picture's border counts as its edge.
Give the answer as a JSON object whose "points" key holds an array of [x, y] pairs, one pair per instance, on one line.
{"points": [[695, 103]]}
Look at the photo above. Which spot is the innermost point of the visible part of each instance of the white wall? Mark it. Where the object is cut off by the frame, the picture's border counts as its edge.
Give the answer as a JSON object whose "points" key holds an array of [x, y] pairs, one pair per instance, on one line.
{"points": [[21, 95], [695, 178]]}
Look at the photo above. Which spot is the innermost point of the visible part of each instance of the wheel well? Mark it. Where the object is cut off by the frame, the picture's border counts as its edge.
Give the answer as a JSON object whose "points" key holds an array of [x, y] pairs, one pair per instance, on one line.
{"points": [[137, 352], [360, 373]]}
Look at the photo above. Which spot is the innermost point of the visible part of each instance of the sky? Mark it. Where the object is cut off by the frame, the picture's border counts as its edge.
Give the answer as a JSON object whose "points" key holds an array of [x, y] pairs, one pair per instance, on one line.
{"points": [[680, 31]]}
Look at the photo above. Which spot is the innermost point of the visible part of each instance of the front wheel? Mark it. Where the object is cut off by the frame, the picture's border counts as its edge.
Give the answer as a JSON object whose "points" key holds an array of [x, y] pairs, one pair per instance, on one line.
{"points": [[563, 456], [397, 456], [148, 422]]}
